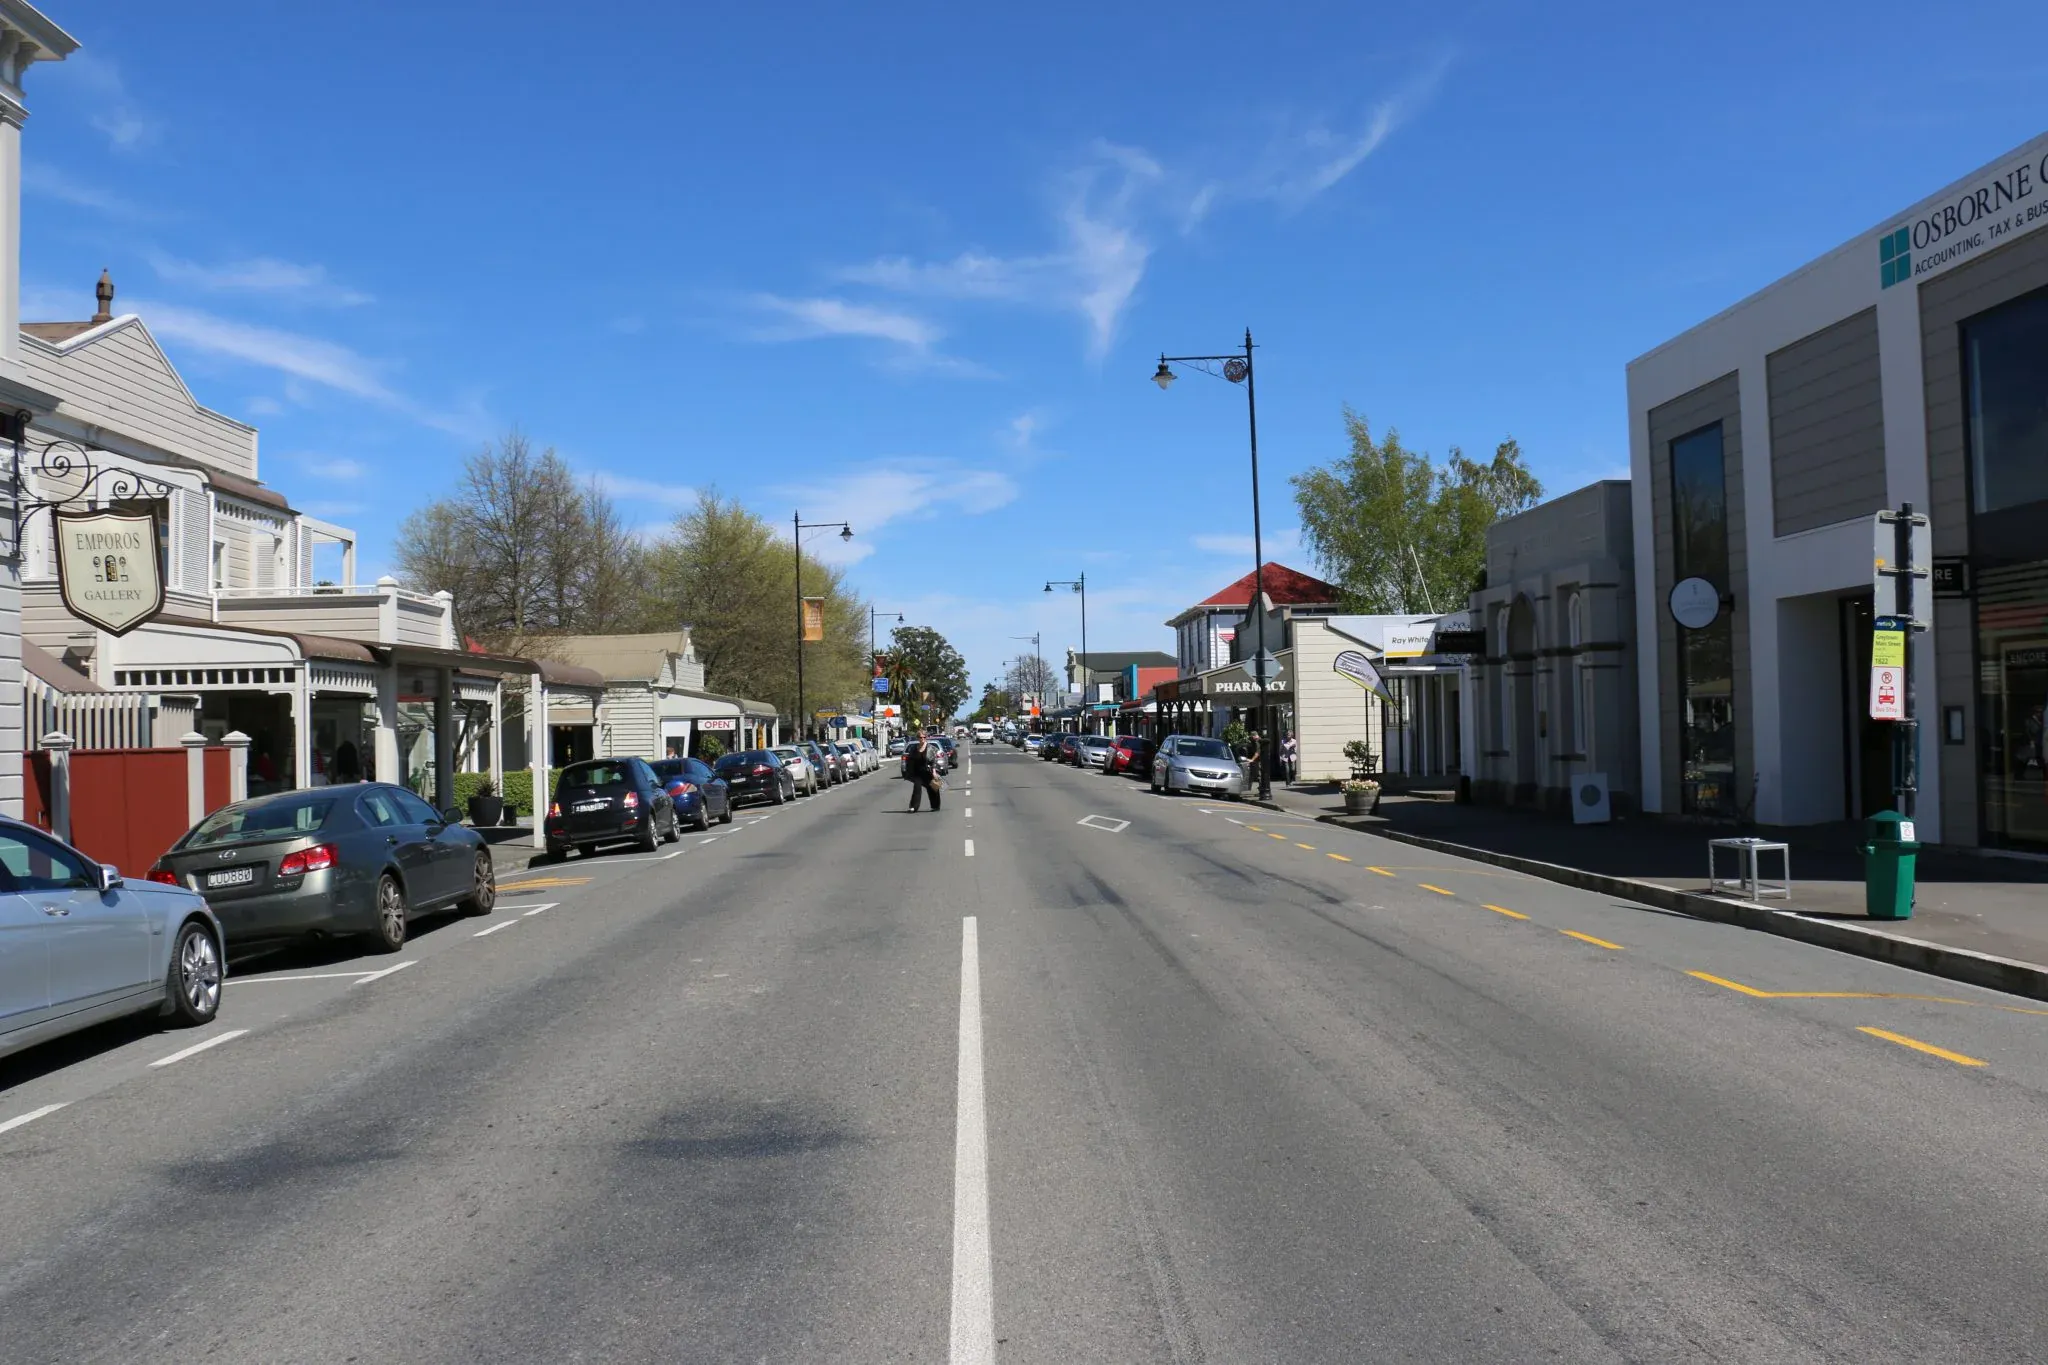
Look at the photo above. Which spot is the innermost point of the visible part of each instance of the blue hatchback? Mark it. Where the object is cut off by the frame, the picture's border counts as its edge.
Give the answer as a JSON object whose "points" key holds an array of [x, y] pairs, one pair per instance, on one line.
{"points": [[699, 794]]}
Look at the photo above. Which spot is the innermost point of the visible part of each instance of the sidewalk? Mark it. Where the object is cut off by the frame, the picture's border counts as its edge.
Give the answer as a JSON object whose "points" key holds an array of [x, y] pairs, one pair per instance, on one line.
{"points": [[1981, 905]]}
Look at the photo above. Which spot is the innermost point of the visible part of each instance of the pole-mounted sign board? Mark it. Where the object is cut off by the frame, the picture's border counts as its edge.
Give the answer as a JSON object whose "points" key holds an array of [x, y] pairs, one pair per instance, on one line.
{"points": [[1888, 670], [109, 568]]}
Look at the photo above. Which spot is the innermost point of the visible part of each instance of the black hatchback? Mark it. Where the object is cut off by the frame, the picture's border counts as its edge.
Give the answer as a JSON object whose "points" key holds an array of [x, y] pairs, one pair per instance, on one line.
{"points": [[756, 775], [610, 801]]}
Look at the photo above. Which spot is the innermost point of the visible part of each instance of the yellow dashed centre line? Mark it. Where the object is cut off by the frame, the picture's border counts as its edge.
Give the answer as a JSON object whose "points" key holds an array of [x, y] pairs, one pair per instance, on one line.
{"points": [[1737, 986], [1503, 910], [1270, 835], [539, 882], [1930, 1049], [1310, 847], [1381, 870], [1338, 856], [1438, 889], [1588, 938]]}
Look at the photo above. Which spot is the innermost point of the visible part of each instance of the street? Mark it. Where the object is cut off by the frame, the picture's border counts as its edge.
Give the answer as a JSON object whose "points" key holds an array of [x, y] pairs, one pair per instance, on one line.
{"points": [[1066, 1071]]}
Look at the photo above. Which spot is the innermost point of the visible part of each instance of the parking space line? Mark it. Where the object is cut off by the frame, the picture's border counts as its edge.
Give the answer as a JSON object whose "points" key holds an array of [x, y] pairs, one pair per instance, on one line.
{"points": [[379, 976], [1503, 910], [495, 928], [1930, 1049], [1438, 889], [1588, 938], [538, 908], [198, 1048], [31, 1116]]}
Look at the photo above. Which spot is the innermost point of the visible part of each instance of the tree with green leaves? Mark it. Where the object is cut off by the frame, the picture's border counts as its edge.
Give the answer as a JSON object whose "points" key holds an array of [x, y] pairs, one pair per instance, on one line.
{"points": [[1401, 534], [935, 673]]}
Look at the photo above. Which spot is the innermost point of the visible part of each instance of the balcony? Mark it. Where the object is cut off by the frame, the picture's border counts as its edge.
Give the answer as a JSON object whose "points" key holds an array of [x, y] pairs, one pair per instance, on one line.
{"points": [[381, 613]]}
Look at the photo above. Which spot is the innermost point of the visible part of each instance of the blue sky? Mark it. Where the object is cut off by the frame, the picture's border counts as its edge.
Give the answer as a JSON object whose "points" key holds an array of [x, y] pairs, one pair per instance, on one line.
{"points": [[912, 265]]}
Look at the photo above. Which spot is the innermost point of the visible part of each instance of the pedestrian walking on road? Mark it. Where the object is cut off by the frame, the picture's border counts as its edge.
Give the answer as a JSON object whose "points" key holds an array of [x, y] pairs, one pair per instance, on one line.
{"points": [[922, 771]]}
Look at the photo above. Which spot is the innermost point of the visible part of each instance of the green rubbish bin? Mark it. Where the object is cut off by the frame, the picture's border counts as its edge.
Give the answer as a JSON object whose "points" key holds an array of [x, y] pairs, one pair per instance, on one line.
{"points": [[1888, 852]]}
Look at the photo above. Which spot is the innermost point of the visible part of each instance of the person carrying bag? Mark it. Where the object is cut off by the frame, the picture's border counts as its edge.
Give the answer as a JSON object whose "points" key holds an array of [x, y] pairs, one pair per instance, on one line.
{"points": [[922, 774]]}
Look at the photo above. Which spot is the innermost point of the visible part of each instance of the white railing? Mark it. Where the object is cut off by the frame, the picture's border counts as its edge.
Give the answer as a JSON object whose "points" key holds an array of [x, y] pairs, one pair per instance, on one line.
{"points": [[93, 720], [328, 590]]}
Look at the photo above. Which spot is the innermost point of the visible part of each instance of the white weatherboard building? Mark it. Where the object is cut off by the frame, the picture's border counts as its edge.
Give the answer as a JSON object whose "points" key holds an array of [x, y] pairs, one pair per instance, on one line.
{"points": [[1909, 365]]}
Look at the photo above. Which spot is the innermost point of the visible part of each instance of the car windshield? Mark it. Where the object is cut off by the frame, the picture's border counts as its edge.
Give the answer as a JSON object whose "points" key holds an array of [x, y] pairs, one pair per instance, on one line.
{"points": [[1094, 741], [596, 776], [280, 819], [789, 755], [1198, 747]]}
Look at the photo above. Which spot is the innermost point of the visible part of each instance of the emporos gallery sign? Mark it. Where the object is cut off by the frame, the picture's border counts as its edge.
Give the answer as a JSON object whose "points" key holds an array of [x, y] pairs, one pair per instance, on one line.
{"points": [[2011, 200], [109, 568]]}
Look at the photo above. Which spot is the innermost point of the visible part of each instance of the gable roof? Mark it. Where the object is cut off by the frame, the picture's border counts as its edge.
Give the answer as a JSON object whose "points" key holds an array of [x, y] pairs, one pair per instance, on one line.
{"points": [[619, 658], [1286, 587], [56, 332]]}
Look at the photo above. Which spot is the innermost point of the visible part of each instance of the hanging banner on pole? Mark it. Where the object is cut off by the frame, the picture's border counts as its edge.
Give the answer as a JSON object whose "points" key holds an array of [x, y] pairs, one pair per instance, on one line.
{"points": [[814, 619]]}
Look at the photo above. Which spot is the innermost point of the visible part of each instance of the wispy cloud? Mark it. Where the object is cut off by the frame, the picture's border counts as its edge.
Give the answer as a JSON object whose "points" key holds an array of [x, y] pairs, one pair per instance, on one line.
{"points": [[913, 340], [262, 405], [259, 275], [640, 492], [50, 183], [899, 490], [339, 468], [115, 111], [1285, 541], [333, 511]]}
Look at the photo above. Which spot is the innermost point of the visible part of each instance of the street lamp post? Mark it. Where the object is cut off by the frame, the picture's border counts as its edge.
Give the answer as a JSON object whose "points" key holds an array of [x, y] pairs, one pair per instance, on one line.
{"points": [[1237, 368], [1037, 662], [796, 547], [1079, 585], [875, 663]]}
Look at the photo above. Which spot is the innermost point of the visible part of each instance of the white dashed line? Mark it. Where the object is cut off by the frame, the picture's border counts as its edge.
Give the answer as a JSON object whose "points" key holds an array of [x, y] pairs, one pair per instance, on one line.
{"points": [[974, 1333], [379, 976], [712, 840], [495, 928], [30, 1117], [970, 848], [198, 1048], [970, 812]]}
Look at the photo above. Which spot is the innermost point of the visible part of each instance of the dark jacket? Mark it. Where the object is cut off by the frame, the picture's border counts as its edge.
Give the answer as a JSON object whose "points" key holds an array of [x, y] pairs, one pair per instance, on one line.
{"points": [[917, 764]]}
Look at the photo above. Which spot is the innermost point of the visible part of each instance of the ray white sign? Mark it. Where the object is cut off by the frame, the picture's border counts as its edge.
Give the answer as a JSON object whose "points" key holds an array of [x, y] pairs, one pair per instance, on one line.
{"points": [[109, 568]]}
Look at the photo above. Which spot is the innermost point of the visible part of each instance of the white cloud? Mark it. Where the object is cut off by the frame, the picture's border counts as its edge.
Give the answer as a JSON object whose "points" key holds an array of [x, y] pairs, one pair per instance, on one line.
{"points": [[899, 490], [50, 183], [1284, 541], [805, 319], [262, 405], [639, 492], [333, 511], [260, 275], [1023, 430], [115, 112], [339, 468], [326, 363]]}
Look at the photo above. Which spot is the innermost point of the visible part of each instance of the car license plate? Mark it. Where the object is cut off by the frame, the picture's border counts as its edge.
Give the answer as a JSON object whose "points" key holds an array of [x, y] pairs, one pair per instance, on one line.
{"points": [[234, 876], [584, 807]]}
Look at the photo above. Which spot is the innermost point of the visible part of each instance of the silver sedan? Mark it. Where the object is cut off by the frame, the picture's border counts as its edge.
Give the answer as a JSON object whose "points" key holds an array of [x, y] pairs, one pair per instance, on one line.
{"points": [[1197, 763], [79, 944]]}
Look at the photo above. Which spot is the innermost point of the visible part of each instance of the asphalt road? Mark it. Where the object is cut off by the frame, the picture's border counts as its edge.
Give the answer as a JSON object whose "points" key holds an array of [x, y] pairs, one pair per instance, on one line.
{"points": [[1189, 1081]]}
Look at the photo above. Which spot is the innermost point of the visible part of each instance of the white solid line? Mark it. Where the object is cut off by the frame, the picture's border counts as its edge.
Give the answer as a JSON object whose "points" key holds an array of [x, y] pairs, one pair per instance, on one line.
{"points": [[495, 928], [31, 1116], [970, 848], [311, 976], [214, 1041], [712, 840], [379, 976], [548, 905], [974, 1327]]}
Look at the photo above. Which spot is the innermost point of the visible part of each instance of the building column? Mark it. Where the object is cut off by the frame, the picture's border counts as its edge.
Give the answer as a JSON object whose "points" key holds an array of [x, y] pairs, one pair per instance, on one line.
{"points": [[386, 737], [497, 740], [302, 728], [537, 756], [444, 739]]}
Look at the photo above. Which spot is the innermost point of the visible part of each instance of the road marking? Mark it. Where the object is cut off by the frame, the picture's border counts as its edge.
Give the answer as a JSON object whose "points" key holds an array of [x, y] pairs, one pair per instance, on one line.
{"points": [[31, 1116], [1861, 995], [1381, 870], [1731, 985], [539, 883], [1930, 1049], [970, 848], [1233, 819], [1427, 887], [537, 909], [527, 905], [974, 1330], [310, 976], [379, 976], [712, 840], [970, 812], [1108, 824], [1258, 828], [1503, 910], [1338, 856], [197, 1048], [495, 928], [1588, 938], [1310, 847]]}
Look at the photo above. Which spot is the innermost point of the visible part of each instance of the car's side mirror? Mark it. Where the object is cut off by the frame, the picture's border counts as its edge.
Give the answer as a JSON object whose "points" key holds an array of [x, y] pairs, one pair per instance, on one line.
{"points": [[110, 878], [452, 816]]}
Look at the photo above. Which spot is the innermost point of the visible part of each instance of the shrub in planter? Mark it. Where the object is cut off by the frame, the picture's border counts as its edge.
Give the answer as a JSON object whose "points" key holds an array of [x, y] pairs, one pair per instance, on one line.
{"points": [[485, 806], [1360, 797]]}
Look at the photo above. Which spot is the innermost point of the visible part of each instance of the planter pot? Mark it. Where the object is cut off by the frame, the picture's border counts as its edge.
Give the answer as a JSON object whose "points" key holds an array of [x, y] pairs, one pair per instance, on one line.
{"points": [[486, 810], [1360, 803]]}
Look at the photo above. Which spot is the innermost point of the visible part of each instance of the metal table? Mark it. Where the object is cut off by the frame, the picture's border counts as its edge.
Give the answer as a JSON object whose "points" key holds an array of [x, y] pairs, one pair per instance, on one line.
{"points": [[1749, 881]]}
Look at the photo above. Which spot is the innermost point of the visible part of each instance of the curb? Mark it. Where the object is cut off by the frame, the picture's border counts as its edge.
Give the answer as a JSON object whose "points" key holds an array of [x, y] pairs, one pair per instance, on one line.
{"points": [[1956, 964]]}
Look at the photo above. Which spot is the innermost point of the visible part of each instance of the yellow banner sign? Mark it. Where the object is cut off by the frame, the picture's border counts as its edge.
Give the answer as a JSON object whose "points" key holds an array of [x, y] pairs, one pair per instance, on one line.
{"points": [[814, 618]]}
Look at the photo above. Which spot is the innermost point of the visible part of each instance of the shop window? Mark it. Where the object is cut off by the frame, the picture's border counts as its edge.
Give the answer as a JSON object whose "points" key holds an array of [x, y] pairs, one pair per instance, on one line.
{"points": [[1706, 657], [2005, 355]]}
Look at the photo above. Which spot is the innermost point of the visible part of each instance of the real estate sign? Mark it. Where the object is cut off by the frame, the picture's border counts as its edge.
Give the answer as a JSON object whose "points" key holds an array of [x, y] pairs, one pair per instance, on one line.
{"points": [[109, 568]]}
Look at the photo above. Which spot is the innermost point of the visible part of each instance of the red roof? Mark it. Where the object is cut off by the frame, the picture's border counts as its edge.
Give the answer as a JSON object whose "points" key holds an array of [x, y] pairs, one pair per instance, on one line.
{"points": [[1287, 587]]}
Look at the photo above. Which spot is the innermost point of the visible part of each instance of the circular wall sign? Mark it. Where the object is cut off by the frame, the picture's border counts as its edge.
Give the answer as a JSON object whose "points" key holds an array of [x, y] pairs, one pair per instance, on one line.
{"points": [[1695, 603]]}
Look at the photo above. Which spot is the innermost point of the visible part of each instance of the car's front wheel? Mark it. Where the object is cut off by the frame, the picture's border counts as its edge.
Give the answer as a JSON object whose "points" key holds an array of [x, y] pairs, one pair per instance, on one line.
{"points": [[192, 989], [388, 934], [483, 886]]}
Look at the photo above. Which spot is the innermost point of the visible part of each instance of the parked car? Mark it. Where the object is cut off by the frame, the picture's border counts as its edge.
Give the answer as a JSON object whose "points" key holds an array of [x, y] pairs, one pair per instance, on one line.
{"points": [[80, 945], [868, 754], [1197, 763], [696, 792], [1031, 743], [945, 744], [848, 760], [366, 858], [756, 775], [1129, 755], [807, 779], [897, 746], [610, 801], [828, 770], [1050, 749], [1092, 751]]}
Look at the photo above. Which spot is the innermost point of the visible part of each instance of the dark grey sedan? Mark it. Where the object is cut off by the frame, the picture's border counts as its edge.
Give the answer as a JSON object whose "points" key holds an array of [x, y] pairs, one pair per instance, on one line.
{"points": [[357, 859]]}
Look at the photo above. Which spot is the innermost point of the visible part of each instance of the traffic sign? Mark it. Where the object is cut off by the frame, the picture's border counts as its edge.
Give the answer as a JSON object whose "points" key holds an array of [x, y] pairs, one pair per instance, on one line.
{"points": [[881, 687]]}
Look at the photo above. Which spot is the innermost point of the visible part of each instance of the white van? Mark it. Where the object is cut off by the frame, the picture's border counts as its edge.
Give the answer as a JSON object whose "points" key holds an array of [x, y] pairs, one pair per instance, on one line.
{"points": [[984, 732]]}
